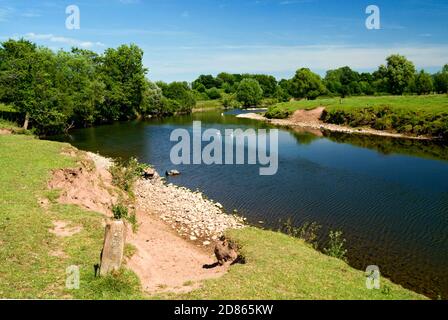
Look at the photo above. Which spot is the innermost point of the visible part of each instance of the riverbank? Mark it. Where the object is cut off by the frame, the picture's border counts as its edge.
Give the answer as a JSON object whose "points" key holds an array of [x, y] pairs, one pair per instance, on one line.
{"points": [[310, 119], [32, 217], [415, 117]]}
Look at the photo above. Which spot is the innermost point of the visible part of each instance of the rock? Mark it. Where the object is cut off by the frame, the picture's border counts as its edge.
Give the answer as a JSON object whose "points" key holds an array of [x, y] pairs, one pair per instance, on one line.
{"points": [[218, 205], [113, 247], [172, 173], [193, 238], [206, 243], [149, 173]]}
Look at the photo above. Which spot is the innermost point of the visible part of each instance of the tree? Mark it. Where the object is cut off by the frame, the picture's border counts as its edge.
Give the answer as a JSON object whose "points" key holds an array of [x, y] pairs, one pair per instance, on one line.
{"points": [[208, 81], [249, 92], [423, 83], [182, 94], [152, 100], [213, 94], [441, 80], [399, 73], [343, 81], [267, 83], [306, 84], [124, 77]]}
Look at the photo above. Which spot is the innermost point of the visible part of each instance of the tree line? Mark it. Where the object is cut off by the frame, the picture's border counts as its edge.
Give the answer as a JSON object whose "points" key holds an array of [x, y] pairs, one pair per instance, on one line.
{"points": [[56, 91], [398, 76], [60, 90]]}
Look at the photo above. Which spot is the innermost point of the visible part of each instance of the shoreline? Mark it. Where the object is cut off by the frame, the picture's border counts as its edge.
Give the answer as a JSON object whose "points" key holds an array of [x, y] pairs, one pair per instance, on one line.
{"points": [[319, 125]]}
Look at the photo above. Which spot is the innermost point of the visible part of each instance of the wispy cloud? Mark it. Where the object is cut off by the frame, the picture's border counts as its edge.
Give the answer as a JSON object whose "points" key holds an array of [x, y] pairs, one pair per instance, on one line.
{"points": [[5, 13], [283, 59], [62, 40]]}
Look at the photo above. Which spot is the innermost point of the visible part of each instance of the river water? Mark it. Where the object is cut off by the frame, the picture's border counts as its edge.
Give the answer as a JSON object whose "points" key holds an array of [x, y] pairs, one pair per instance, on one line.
{"points": [[388, 196]]}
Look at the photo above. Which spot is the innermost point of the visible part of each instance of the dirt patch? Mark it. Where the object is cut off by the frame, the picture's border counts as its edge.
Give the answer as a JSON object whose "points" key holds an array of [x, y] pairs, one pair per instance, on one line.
{"points": [[62, 229], [166, 262], [84, 187], [5, 131], [58, 253], [308, 116]]}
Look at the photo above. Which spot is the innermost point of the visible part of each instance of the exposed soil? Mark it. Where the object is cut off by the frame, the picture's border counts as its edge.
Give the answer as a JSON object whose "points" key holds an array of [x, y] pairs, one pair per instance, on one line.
{"points": [[164, 261], [310, 121], [5, 131], [62, 229], [84, 187]]}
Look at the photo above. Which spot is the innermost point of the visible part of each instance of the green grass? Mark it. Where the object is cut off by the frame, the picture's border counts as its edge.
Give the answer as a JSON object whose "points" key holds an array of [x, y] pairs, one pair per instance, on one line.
{"points": [[277, 266], [7, 108], [281, 267], [28, 266], [208, 105], [9, 125], [409, 115], [431, 103]]}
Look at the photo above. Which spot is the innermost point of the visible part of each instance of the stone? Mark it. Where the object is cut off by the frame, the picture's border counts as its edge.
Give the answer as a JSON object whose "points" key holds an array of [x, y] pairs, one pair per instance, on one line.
{"points": [[113, 247], [172, 173], [149, 173]]}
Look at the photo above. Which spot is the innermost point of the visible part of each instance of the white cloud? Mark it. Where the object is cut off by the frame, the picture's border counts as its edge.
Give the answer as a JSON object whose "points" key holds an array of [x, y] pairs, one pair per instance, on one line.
{"points": [[62, 40], [284, 59]]}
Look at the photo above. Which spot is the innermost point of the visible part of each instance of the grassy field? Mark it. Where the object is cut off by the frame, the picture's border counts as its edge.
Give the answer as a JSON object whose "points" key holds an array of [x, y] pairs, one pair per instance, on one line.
{"points": [[208, 105], [33, 260], [409, 115], [281, 267], [432, 104]]}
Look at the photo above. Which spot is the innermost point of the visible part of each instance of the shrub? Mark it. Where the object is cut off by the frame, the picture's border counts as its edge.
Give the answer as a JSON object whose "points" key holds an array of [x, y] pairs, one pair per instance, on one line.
{"points": [[119, 211], [124, 174], [277, 113], [308, 232], [336, 245], [213, 94]]}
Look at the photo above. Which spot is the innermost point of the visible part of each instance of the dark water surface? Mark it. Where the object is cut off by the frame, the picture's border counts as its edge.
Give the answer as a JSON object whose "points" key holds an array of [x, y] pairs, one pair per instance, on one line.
{"points": [[388, 196]]}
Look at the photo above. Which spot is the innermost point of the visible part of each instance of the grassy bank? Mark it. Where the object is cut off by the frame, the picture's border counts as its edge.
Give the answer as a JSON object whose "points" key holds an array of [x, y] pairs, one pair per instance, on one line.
{"points": [[33, 260], [281, 267], [207, 105], [416, 115]]}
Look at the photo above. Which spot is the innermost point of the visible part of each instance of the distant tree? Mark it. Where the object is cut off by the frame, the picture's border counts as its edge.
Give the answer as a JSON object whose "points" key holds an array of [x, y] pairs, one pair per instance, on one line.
{"points": [[399, 72], [267, 83], [213, 94], [423, 83], [441, 80], [306, 84], [208, 81], [226, 78], [152, 100], [182, 94], [249, 92], [343, 81]]}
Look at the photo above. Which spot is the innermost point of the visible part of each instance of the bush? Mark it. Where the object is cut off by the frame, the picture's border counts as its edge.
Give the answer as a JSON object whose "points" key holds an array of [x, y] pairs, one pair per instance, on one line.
{"points": [[308, 232], [336, 245], [120, 211], [213, 94], [124, 174], [277, 113]]}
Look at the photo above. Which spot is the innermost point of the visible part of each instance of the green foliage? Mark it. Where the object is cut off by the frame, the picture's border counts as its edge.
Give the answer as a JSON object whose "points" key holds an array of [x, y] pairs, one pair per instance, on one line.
{"points": [[308, 232], [276, 112], [306, 84], [124, 174], [230, 102], [213, 94], [399, 73], [181, 97], [336, 245], [249, 92], [423, 83], [120, 211]]}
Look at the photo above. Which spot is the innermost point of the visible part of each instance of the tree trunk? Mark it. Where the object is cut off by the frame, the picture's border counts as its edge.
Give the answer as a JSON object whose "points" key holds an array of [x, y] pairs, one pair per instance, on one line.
{"points": [[27, 120]]}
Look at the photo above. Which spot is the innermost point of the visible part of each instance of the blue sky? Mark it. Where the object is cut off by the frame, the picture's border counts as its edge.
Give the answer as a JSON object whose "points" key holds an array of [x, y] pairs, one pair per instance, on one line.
{"points": [[185, 38]]}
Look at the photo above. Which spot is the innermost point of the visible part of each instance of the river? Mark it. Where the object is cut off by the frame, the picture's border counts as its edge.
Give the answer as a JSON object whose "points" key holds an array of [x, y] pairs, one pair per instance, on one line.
{"points": [[388, 196]]}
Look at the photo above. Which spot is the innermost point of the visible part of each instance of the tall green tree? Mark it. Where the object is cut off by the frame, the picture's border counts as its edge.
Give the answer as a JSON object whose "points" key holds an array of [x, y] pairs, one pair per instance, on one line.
{"points": [[399, 73], [423, 83], [306, 84], [249, 92], [441, 80]]}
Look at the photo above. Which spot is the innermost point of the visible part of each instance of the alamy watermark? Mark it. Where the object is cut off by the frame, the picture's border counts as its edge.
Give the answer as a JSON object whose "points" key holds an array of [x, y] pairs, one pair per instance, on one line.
{"points": [[226, 148], [73, 21], [373, 21], [72, 277], [373, 277]]}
